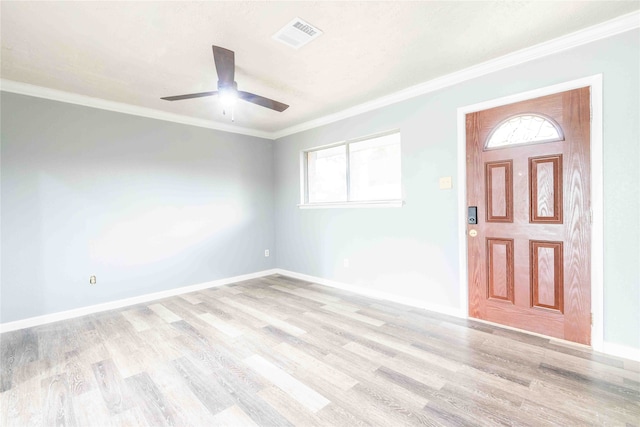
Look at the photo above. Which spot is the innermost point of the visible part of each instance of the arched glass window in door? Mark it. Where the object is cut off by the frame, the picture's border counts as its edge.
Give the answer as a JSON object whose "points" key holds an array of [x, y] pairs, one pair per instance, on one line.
{"points": [[524, 129]]}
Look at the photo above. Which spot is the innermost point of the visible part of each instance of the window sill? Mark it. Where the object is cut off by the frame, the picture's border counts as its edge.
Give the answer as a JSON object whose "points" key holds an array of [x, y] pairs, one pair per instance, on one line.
{"points": [[372, 204]]}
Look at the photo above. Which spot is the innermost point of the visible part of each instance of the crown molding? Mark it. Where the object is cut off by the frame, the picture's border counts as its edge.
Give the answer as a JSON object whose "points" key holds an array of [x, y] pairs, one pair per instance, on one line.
{"points": [[103, 104], [606, 29]]}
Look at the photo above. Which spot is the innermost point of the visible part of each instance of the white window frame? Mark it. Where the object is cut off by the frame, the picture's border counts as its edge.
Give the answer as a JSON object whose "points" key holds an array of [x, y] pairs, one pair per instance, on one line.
{"points": [[304, 179]]}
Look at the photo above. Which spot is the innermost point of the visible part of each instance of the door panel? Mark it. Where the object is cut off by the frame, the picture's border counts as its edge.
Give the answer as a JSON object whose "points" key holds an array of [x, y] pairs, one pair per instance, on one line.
{"points": [[499, 191], [500, 269], [545, 183], [529, 265], [546, 275]]}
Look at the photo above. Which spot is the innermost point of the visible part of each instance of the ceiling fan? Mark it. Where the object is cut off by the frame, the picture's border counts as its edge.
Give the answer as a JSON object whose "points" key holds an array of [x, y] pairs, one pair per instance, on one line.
{"points": [[228, 88]]}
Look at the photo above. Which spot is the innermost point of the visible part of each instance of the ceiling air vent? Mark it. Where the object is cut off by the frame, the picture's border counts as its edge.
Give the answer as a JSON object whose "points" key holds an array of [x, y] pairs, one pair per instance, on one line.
{"points": [[297, 33]]}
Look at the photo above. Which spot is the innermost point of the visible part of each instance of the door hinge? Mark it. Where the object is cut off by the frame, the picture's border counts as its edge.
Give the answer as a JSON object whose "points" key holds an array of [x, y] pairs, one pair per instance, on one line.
{"points": [[591, 316]]}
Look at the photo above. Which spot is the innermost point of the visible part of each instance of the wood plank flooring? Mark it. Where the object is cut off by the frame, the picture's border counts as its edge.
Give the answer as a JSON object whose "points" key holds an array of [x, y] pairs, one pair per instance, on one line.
{"points": [[277, 351]]}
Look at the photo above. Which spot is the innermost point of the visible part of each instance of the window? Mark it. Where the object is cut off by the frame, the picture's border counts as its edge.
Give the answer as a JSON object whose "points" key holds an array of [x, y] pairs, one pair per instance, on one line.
{"points": [[354, 172], [524, 129]]}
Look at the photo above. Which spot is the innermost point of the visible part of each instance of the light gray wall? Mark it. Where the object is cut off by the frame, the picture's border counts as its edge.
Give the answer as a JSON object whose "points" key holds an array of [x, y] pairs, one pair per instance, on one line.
{"points": [[413, 251], [148, 205], [145, 205]]}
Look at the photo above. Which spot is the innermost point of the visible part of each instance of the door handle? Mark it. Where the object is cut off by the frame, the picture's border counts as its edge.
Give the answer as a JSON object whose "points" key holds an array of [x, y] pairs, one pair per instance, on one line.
{"points": [[472, 215]]}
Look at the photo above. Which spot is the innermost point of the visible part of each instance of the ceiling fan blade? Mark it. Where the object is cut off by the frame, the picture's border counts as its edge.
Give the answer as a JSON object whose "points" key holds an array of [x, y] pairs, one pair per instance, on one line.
{"points": [[225, 65], [189, 96], [262, 101]]}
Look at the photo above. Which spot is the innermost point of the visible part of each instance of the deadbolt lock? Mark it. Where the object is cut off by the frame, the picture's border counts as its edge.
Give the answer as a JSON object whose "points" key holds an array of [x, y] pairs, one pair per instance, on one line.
{"points": [[473, 233]]}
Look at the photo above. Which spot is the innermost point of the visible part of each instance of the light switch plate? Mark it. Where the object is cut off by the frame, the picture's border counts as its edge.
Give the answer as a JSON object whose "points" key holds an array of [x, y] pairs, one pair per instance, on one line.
{"points": [[445, 183]]}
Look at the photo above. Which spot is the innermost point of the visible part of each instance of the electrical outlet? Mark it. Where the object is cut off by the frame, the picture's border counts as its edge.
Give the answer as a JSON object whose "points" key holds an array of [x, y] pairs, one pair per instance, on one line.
{"points": [[345, 262], [92, 280], [266, 252]]}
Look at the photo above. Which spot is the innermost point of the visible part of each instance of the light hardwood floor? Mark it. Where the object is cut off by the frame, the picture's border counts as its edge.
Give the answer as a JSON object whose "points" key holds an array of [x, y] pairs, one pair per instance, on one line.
{"points": [[277, 351]]}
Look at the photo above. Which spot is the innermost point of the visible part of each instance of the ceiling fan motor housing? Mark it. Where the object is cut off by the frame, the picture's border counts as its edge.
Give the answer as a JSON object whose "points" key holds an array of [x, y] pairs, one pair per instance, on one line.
{"points": [[222, 86]]}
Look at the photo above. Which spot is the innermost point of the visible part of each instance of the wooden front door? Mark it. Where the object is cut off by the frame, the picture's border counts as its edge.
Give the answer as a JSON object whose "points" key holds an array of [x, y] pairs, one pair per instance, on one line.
{"points": [[528, 174]]}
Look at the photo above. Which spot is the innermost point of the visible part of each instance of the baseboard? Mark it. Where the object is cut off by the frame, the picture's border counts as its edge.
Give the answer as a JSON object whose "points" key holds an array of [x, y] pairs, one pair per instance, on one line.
{"points": [[375, 294], [83, 311], [609, 348], [620, 350]]}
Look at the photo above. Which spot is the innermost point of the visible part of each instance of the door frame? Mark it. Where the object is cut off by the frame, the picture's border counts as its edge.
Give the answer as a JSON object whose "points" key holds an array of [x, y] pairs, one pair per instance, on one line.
{"points": [[597, 191]]}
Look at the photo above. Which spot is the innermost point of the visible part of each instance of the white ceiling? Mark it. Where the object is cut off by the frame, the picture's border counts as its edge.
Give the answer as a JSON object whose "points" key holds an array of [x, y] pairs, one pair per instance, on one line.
{"points": [[137, 52]]}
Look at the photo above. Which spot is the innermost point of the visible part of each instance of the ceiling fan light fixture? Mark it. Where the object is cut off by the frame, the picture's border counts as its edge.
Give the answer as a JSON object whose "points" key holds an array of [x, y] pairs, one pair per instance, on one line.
{"points": [[228, 94], [228, 97]]}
